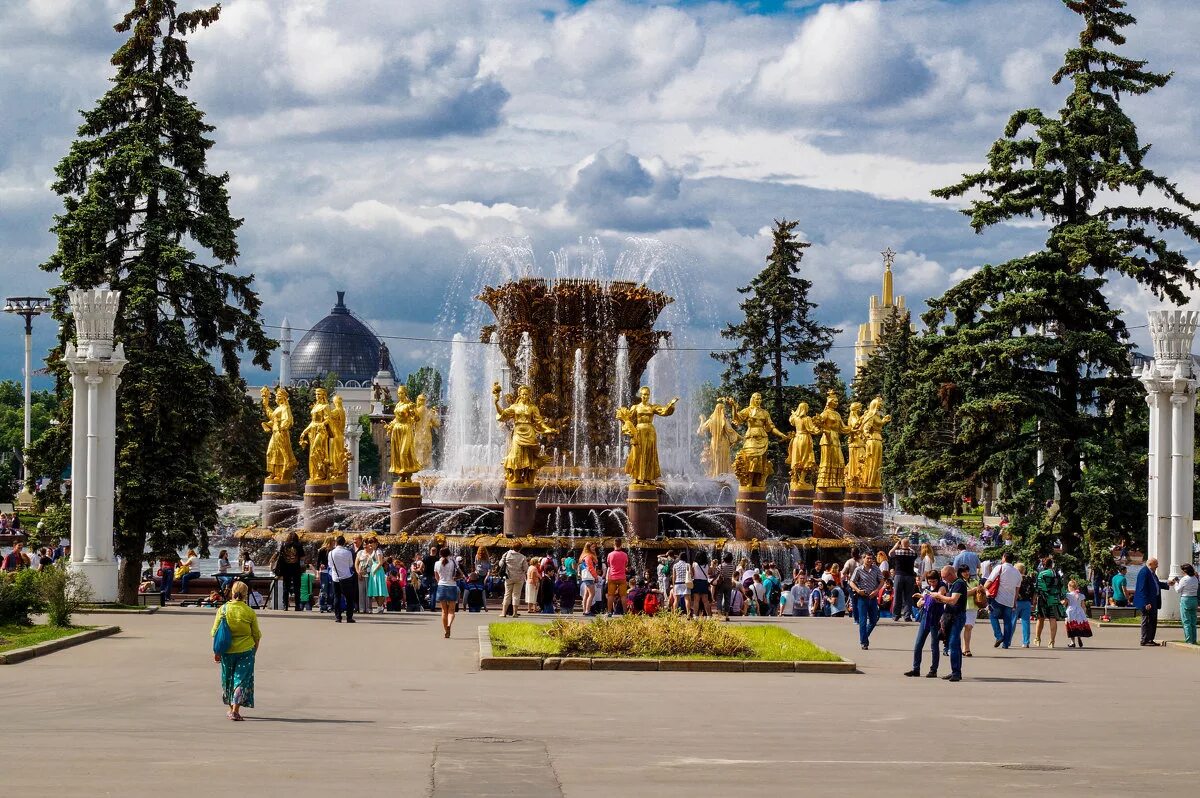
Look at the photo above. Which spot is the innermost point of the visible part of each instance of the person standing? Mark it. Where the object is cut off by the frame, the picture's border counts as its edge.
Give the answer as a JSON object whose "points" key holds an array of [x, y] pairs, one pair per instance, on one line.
{"points": [[1077, 618], [863, 584], [904, 586], [289, 564], [681, 571], [511, 567], [237, 661], [345, 581], [166, 569], [931, 625], [1147, 597], [446, 570], [954, 616], [618, 583], [1120, 588], [1002, 606], [377, 589], [967, 558], [587, 576], [1187, 586], [1050, 595], [724, 586], [1026, 593], [925, 562]]}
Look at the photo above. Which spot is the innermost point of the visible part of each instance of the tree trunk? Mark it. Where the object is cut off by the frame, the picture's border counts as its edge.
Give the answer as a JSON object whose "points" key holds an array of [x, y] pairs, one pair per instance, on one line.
{"points": [[128, 578]]}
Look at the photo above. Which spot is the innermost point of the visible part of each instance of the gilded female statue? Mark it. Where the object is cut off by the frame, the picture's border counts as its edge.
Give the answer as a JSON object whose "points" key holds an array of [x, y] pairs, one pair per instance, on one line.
{"points": [[339, 463], [801, 459], [717, 457], [642, 463], [832, 471], [427, 421], [315, 438], [871, 425], [854, 447], [752, 465], [524, 456], [402, 436], [281, 462]]}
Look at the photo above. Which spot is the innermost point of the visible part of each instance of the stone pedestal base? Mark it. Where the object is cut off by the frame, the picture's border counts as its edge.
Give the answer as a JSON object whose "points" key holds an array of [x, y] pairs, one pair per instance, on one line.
{"points": [[520, 510], [864, 517], [102, 576], [751, 521], [405, 504], [641, 505], [341, 491], [801, 497], [278, 504], [827, 513], [318, 502]]}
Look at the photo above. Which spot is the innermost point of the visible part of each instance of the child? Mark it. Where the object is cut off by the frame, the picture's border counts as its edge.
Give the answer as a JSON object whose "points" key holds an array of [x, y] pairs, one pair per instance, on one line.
{"points": [[307, 580], [214, 600], [567, 591], [475, 599], [325, 600], [1077, 618]]}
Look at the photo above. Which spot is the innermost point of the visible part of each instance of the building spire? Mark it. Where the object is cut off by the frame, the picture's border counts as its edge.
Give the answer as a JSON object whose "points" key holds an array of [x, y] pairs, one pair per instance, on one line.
{"points": [[889, 257]]}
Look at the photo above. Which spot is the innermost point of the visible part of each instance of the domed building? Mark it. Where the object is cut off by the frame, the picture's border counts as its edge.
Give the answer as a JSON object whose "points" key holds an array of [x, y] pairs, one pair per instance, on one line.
{"points": [[342, 345]]}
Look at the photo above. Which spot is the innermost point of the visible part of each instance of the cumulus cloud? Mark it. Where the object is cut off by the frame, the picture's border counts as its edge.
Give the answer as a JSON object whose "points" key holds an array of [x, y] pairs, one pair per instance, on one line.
{"points": [[614, 189]]}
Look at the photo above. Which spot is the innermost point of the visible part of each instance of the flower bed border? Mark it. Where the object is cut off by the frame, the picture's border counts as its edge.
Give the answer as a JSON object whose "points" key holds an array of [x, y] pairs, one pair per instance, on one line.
{"points": [[50, 646], [488, 661]]}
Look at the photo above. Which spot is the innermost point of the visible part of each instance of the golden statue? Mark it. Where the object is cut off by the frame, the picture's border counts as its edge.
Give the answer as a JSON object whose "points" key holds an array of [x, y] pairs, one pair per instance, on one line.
{"points": [[871, 426], [642, 463], [427, 421], [831, 474], [716, 457], [339, 461], [854, 447], [316, 437], [402, 435], [752, 466], [524, 456], [801, 459], [281, 462]]}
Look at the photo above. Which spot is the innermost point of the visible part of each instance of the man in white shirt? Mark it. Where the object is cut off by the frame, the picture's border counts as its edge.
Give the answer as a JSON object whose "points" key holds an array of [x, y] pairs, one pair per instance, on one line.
{"points": [[1002, 607], [798, 597], [345, 581]]}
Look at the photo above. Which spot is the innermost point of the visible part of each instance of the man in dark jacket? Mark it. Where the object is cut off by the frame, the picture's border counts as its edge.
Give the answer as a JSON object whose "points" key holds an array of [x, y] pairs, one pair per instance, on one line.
{"points": [[1147, 597]]}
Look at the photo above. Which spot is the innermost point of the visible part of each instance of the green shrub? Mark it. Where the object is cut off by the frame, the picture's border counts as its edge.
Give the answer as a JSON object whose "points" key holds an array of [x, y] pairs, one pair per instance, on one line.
{"points": [[663, 635], [20, 597], [63, 593]]}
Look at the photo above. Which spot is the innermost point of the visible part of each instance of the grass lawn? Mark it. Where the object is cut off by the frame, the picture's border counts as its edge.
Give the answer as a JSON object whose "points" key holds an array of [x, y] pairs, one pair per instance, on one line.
{"points": [[526, 639], [1136, 621], [13, 636]]}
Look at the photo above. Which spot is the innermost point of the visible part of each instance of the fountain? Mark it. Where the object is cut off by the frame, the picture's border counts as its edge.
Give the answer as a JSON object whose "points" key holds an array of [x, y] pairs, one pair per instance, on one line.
{"points": [[583, 341]]}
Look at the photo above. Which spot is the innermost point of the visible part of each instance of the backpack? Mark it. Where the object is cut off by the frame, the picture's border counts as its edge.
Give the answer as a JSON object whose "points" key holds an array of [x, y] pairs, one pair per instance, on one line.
{"points": [[650, 606], [223, 638]]}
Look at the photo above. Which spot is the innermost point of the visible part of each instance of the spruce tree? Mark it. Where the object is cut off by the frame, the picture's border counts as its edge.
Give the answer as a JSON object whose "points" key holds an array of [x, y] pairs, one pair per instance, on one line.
{"points": [[1033, 346], [778, 329], [886, 374], [139, 205]]}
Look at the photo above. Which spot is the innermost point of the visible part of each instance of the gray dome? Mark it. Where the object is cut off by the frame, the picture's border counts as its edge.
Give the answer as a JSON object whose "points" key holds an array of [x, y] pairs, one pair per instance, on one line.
{"points": [[342, 345]]}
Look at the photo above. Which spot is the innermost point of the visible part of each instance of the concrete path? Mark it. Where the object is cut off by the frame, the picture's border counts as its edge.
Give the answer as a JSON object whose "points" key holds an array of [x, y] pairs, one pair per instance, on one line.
{"points": [[389, 707]]}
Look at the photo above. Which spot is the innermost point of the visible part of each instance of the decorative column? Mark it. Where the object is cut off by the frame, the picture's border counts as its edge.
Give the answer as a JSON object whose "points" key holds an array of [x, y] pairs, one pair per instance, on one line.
{"points": [[353, 437], [1170, 383], [94, 364], [641, 507], [751, 520]]}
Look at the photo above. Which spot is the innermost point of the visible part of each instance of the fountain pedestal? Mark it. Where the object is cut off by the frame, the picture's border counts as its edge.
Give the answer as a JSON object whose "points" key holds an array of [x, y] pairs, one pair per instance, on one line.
{"points": [[520, 509], [827, 512], [341, 490], [641, 506], [867, 519], [318, 498], [800, 495], [277, 507], [751, 520], [405, 504]]}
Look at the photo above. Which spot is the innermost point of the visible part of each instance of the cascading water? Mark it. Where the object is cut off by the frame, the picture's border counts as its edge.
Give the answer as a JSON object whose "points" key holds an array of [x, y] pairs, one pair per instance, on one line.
{"points": [[524, 359], [621, 395], [459, 438], [492, 372], [579, 418]]}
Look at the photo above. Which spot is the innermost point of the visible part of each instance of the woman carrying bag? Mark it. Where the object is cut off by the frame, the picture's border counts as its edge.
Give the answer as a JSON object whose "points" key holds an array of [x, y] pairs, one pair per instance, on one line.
{"points": [[236, 637]]}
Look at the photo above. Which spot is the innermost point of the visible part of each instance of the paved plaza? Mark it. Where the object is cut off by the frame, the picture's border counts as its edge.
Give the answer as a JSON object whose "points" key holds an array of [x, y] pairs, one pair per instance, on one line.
{"points": [[388, 707]]}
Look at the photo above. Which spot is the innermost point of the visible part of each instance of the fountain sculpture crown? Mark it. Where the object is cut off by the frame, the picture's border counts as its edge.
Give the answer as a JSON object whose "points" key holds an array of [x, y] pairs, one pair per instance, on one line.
{"points": [[95, 312], [1173, 332]]}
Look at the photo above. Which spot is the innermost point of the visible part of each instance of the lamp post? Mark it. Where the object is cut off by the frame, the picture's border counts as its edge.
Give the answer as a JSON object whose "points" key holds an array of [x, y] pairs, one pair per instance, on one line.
{"points": [[27, 306]]}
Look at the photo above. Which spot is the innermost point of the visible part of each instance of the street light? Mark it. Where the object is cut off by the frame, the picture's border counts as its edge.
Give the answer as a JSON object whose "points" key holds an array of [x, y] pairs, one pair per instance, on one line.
{"points": [[27, 306]]}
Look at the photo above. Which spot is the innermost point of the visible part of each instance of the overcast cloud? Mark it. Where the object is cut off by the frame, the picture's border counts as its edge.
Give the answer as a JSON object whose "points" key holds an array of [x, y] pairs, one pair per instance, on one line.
{"points": [[374, 144]]}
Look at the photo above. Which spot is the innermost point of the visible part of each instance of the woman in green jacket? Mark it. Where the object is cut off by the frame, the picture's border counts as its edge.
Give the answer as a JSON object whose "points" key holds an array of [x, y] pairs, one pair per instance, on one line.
{"points": [[237, 663]]}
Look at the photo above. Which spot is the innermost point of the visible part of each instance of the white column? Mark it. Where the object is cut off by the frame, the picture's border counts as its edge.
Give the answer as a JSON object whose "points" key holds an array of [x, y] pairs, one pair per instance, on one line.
{"points": [[1162, 483], [1151, 465], [78, 453], [353, 437], [94, 363]]}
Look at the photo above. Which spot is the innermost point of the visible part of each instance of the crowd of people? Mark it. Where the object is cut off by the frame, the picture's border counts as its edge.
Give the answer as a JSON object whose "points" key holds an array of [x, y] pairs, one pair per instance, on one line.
{"points": [[19, 558]]}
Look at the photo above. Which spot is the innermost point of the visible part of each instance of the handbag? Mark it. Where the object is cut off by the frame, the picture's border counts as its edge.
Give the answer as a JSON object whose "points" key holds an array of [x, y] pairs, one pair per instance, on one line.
{"points": [[688, 581], [223, 638], [993, 588]]}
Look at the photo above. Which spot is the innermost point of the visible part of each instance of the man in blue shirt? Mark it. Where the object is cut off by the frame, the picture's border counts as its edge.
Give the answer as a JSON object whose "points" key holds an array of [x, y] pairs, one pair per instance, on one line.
{"points": [[1147, 598], [968, 558]]}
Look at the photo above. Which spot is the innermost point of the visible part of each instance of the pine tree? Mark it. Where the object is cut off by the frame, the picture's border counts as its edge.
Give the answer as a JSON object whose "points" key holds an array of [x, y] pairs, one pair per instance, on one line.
{"points": [[886, 374], [139, 204], [1038, 354], [778, 329]]}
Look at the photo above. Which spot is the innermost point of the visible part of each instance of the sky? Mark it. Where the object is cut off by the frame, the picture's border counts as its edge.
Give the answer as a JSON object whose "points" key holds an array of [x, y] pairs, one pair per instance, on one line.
{"points": [[383, 147]]}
